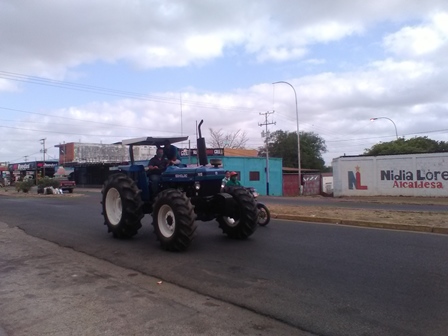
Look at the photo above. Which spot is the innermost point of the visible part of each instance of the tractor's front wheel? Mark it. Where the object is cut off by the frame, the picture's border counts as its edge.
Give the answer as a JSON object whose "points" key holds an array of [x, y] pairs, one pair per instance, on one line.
{"points": [[246, 215], [174, 220], [122, 206]]}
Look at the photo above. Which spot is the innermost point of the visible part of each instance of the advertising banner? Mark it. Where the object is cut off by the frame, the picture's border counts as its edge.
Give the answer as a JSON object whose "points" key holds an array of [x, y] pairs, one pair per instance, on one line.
{"points": [[392, 175]]}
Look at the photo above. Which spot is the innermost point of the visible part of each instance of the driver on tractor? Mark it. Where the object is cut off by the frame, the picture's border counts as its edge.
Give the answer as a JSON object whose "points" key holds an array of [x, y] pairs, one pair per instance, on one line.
{"points": [[156, 166], [171, 153]]}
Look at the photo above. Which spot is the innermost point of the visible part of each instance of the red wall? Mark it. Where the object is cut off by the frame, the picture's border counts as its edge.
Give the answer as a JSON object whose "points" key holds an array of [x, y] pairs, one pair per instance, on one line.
{"points": [[311, 184], [66, 153], [290, 185]]}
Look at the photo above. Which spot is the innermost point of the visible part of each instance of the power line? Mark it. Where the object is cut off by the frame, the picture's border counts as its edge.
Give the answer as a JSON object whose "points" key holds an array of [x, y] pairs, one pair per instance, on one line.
{"points": [[112, 92], [56, 132], [76, 119], [20, 158], [408, 134]]}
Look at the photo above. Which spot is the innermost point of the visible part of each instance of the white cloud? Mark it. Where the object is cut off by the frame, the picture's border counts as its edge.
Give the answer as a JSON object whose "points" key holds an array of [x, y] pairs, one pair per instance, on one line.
{"points": [[48, 37], [315, 61], [205, 46], [281, 54], [419, 40], [414, 41], [51, 39], [7, 85]]}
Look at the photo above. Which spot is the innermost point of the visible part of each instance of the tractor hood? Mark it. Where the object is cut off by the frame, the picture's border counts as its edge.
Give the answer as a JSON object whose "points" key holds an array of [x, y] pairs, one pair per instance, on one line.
{"points": [[190, 174]]}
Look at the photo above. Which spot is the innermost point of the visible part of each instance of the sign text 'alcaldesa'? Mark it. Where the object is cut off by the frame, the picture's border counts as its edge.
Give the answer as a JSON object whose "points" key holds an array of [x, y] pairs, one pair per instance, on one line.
{"points": [[420, 179]]}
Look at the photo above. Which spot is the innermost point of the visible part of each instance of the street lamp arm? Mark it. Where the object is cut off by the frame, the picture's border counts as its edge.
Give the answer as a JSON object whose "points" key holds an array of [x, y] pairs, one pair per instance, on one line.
{"points": [[396, 132]]}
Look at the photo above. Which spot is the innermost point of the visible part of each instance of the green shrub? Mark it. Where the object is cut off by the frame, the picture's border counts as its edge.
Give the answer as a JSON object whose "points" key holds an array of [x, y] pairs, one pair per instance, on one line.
{"points": [[48, 182], [24, 186]]}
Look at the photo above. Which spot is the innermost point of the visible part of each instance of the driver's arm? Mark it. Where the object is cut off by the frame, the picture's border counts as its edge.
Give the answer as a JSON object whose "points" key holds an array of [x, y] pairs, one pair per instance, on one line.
{"points": [[151, 165]]}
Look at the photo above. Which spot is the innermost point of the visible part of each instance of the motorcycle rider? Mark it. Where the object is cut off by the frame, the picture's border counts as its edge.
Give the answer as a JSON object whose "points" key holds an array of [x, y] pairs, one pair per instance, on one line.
{"points": [[226, 178], [233, 182]]}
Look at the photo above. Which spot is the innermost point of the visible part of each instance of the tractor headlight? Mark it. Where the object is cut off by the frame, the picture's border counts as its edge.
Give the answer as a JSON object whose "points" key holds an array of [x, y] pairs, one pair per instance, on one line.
{"points": [[197, 185], [255, 193]]}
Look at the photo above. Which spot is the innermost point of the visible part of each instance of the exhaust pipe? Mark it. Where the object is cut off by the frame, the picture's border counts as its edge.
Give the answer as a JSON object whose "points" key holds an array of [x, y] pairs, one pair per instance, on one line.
{"points": [[202, 149]]}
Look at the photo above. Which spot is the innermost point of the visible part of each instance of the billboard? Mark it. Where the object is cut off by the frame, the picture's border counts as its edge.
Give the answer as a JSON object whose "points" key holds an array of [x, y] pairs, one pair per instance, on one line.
{"points": [[185, 152], [391, 175]]}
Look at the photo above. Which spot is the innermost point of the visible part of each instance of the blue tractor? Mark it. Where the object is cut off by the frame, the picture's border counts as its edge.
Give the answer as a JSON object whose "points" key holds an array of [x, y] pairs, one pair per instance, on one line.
{"points": [[185, 195]]}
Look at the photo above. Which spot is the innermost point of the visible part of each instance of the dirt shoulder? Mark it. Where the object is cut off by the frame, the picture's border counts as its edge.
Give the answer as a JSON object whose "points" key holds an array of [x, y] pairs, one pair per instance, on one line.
{"points": [[341, 215], [11, 191], [396, 200], [430, 221]]}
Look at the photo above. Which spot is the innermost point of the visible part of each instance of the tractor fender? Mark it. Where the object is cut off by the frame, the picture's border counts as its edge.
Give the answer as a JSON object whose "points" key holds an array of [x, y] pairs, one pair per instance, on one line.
{"points": [[226, 204]]}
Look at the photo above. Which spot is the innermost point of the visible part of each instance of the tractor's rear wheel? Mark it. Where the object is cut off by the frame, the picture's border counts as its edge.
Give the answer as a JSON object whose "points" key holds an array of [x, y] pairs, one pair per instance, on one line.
{"points": [[122, 206], [246, 219], [174, 220]]}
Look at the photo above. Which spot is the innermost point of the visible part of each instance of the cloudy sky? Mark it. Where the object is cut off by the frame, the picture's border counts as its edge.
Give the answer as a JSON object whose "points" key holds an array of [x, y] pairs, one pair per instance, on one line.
{"points": [[104, 71]]}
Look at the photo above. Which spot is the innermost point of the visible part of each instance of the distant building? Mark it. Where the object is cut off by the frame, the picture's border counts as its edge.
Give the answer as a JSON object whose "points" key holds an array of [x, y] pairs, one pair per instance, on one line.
{"points": [[250, 167], [76, 153], [92, 163]]}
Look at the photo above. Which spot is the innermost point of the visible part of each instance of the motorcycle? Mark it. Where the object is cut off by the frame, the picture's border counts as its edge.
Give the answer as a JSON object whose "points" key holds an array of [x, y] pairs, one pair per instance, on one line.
{"points": [[264, 215]]}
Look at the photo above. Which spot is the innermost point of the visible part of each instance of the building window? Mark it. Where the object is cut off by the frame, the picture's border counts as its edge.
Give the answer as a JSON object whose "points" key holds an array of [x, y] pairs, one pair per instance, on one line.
{"points": [[254, 176]]}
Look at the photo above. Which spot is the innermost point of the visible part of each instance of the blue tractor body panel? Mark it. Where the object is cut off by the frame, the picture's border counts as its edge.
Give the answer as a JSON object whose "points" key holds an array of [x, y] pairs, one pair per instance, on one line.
{"points": [[138, 174], [199, 174], [207, 179]]}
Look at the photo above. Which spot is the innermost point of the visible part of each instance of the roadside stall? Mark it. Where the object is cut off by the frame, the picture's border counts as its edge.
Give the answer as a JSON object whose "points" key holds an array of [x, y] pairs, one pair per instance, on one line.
{"points": [[29, 170]]}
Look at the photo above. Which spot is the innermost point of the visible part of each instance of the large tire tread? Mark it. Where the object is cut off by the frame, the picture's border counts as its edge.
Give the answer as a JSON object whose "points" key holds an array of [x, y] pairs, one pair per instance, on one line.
{"points": [[132, 206], [248, 219], [185, 216]]}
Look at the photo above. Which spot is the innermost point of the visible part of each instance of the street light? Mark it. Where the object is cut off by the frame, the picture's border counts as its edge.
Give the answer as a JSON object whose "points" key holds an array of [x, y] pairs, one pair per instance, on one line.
{"points": [[298, 136], [396, 133]]}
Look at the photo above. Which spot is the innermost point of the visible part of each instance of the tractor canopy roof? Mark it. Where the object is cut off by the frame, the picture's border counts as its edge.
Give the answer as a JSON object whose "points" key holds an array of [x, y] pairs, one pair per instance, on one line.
{"points": [[152, 141]]}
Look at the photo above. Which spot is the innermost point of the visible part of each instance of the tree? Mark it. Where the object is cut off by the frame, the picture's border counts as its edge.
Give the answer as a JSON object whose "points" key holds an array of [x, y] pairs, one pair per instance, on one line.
{"points": [[236, 140], [411, 146], [284, 145]]}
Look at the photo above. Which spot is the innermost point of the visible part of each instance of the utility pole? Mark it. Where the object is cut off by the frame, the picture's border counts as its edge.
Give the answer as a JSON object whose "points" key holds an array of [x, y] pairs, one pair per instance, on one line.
{"points": [[266, 135], [181, 123], [65, 153], [43, 152]]}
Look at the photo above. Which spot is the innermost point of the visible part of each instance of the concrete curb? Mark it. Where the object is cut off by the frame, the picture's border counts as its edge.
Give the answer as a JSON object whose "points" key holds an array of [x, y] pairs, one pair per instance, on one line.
{"points": [[390, 226]]}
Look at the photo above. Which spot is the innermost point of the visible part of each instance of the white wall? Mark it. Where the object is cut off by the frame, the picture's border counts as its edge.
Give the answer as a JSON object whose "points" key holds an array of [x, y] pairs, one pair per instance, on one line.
{"points": [[86, 152], [391, 175], [327, 184]]}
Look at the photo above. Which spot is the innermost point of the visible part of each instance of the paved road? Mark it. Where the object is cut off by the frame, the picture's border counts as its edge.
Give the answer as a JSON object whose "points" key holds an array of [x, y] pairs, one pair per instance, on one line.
{"points": [[325, 279], [48, 290]]}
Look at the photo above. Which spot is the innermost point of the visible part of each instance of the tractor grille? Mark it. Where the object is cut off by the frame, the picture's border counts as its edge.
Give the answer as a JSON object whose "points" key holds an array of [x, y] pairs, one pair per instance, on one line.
{"points": [[210, 187]]}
